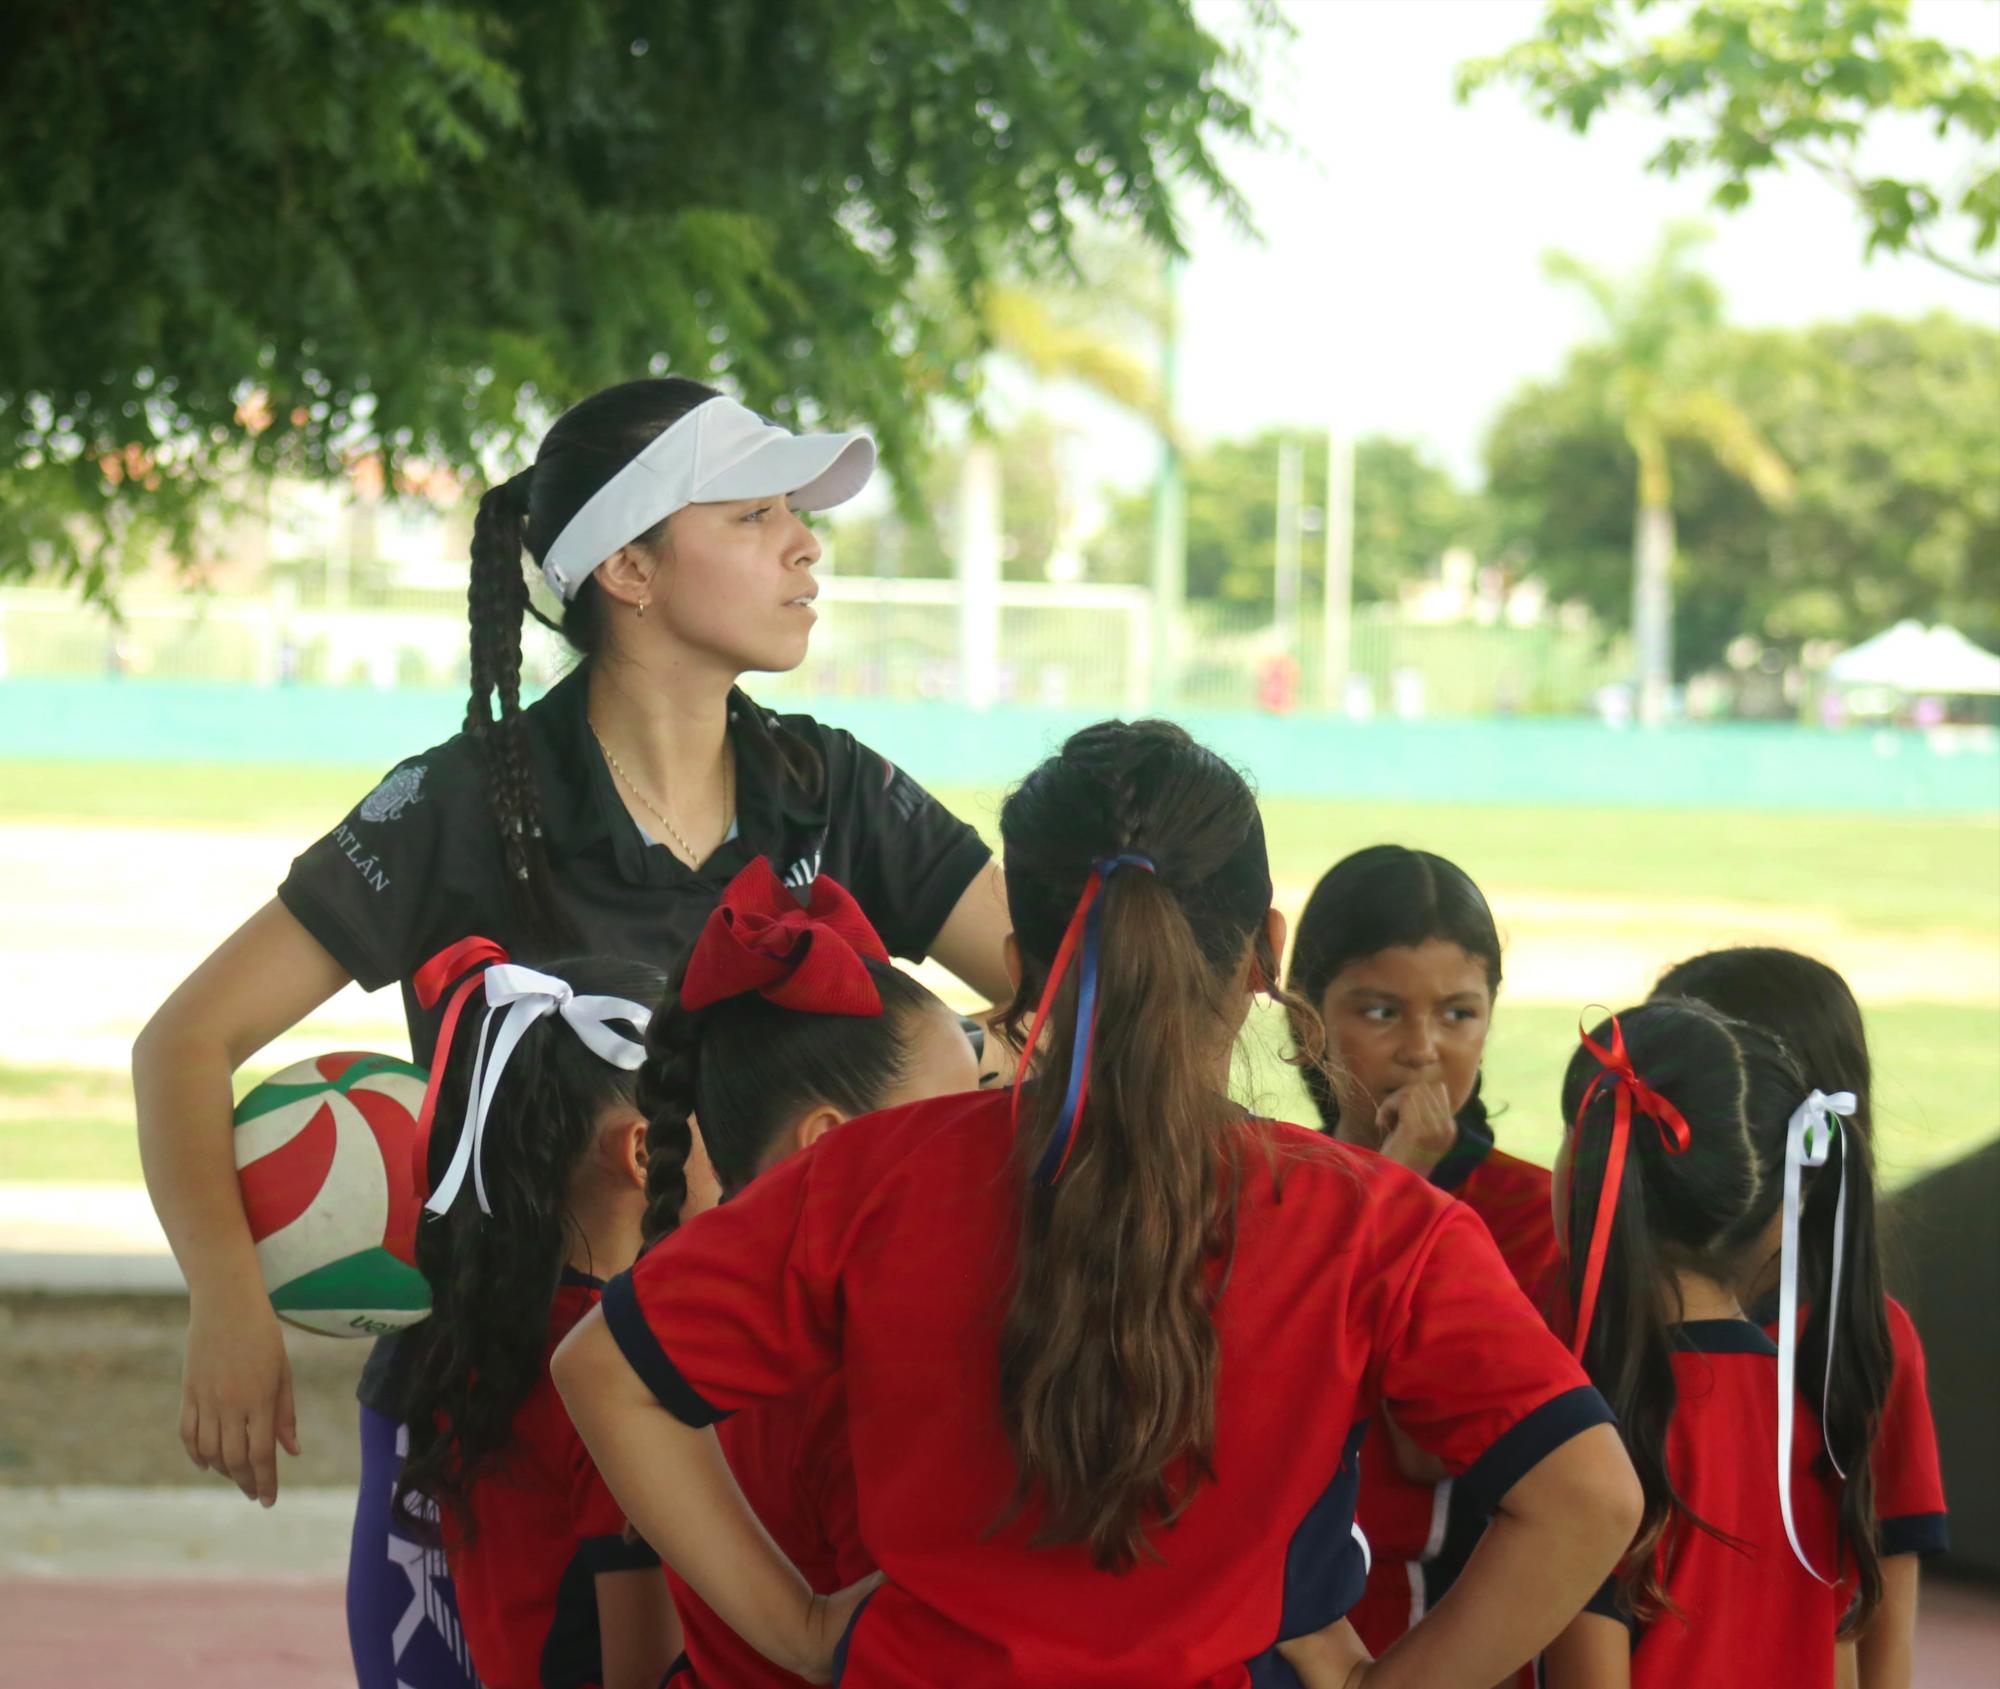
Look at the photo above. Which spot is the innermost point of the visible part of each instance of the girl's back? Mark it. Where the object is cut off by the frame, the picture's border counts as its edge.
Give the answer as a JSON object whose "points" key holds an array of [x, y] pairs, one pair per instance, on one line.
{"points": [[1350, 1281], [1747, 1611], [543, 1525]]}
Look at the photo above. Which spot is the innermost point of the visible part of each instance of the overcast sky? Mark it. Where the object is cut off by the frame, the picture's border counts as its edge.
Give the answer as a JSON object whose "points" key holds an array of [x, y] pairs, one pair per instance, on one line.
{"points": [[1400, 265]]}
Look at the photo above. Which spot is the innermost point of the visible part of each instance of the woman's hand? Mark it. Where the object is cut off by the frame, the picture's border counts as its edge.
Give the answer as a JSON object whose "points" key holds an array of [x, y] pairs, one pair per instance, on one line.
{"points": [[1417, 1124], [827, 1620], [236, 1391], [236, 1386]]}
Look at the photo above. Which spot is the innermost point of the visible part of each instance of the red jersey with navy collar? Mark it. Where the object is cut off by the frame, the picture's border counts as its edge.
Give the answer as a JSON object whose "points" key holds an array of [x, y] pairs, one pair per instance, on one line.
{"points": [[544, 1526], [1422, 1533], [1746, 1611], [790, 1459], [1909, 1485], [886, 1254]]}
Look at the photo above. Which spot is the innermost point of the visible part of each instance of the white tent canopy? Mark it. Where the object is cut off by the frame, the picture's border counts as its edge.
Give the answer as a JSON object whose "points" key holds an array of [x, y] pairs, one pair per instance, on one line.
{"points": [[1913, 658]]}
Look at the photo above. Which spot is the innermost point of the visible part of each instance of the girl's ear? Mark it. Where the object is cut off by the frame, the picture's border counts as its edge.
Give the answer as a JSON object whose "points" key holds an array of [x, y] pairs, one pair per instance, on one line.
{"points": [[816, 1125], [1266, 955], [623, 1147]]}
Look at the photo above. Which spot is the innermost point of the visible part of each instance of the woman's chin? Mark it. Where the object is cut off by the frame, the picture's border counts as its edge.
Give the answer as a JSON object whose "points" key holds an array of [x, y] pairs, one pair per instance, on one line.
{"points": [[779, 655]]}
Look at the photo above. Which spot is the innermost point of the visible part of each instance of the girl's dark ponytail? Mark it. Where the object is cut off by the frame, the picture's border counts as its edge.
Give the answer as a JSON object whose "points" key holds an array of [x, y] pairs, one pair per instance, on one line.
{"points": [[666, 1096], [1109, 1354], [1674, 1210], [494, 1276], [1812, 1011]]}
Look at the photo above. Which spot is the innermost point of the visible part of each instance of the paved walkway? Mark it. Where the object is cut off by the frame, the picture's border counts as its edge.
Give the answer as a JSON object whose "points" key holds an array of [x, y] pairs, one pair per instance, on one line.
{"points": [[101, 1588]]}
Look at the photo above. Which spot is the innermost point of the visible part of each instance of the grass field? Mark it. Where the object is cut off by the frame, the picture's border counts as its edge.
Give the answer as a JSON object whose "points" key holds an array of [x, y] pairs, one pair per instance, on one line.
{"points": [[1593, 903]]}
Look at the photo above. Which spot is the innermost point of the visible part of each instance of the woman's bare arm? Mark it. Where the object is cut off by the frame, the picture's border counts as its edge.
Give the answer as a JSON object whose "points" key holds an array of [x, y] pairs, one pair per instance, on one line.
{"points": [[236, 1390], [678, 1491], [973, 939]]}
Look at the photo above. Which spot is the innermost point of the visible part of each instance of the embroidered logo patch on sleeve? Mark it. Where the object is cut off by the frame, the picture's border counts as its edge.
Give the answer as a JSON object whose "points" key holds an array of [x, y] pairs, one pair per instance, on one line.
{"points": [[402, 788]]}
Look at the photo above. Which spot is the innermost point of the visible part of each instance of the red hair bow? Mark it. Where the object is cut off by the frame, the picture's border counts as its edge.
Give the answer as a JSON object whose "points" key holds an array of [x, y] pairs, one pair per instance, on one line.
{"points": [[810, 959], [1630, 1092]]}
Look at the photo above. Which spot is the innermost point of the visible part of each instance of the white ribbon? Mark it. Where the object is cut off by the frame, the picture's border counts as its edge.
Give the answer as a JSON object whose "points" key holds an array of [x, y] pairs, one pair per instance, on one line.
{"points": [[1810, 1136], [527, 996]]}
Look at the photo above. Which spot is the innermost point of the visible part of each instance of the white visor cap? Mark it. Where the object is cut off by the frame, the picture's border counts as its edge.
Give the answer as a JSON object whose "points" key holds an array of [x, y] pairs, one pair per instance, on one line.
{"points": [[719, 451]]}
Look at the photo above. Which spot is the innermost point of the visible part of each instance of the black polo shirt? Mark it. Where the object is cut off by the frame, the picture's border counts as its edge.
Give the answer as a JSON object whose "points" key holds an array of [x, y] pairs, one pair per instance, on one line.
{"points": [[417, 864]]}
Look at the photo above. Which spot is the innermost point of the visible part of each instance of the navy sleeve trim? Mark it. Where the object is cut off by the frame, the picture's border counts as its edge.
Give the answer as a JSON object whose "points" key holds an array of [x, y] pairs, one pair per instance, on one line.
{"points": [[1606, 1605], [615, 1554], [1917, 1533], [1531, 1440], [638, 1344]]}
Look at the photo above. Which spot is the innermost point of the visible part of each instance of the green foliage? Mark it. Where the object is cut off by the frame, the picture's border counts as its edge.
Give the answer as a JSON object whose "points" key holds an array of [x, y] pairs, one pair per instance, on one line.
{"points": [[278, 237], [1407, 510], [1893, 438], [1756, 85]]}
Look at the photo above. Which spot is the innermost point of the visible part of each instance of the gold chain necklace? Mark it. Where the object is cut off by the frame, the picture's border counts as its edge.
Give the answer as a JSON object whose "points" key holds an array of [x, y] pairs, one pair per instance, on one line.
{"points": [[693, 857]]}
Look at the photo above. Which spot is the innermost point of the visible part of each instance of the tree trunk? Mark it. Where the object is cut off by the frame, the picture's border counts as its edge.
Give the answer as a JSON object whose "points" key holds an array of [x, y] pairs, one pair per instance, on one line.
{"points": [[1653, 609]]}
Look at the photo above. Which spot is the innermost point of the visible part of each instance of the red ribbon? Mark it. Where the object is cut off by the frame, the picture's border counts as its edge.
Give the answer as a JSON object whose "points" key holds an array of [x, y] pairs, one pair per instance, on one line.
{"points": [[1629, 1092], [472, 956], [810, 959], [1079, 937]]}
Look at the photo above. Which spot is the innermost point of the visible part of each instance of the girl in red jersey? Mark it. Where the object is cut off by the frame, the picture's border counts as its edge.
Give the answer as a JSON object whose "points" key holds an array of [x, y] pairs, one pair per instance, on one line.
{"points": [[1398, 952], [538, 1189], [1107, 1344], [1809, 1008], [784, 1023], [1746, 1560]]}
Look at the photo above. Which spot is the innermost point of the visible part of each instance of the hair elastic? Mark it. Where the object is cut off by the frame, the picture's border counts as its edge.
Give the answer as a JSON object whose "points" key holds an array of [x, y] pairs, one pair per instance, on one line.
{"points": [[1083, 928]]}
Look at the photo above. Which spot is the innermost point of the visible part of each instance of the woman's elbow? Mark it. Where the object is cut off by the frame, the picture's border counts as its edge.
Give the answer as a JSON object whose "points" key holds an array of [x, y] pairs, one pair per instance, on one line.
{"points": [[1588, 1488]]}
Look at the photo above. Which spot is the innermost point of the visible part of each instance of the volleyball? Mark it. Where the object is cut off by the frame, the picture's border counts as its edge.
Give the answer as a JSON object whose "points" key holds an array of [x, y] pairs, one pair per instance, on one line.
{"points": [[326, 1158]]}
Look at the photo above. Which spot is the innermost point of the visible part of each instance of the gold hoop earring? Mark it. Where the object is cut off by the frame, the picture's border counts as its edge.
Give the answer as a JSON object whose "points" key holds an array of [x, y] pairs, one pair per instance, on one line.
{"points": [[642, 605]]}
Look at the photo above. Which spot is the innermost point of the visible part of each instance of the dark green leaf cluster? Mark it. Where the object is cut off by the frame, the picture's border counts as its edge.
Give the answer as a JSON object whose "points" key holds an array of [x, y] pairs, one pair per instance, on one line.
{"points": [[281, 235]]}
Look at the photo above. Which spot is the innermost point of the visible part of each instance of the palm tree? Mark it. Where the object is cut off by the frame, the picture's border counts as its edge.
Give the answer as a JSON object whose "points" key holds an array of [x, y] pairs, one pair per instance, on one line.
{"points": [[1088, 329], [1658, 369]]}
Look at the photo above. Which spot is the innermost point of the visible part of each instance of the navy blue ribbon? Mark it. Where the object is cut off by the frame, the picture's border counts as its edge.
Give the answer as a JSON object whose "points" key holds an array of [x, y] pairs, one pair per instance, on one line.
{"points": [[1089, 916]]}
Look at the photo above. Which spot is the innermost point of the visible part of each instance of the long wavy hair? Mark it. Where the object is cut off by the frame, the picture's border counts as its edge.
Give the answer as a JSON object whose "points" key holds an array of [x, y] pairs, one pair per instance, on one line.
{"points": [[1810, 1009], [493, 1277], [1109, 1355]]}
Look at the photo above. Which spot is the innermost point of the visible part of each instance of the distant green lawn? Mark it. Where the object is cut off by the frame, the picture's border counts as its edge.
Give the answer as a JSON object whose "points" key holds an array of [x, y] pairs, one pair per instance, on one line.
{"points": [[1938, 1065], [1883, 871]]}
